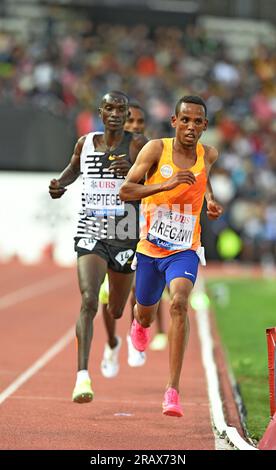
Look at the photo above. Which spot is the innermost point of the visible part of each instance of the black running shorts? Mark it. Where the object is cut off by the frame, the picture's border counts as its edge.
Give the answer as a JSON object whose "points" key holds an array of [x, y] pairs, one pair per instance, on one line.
{"points": [[118, 258]]}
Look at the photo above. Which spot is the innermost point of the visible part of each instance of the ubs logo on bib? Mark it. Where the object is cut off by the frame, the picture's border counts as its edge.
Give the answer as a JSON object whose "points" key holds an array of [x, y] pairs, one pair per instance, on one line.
{"points": [[166, 171]]}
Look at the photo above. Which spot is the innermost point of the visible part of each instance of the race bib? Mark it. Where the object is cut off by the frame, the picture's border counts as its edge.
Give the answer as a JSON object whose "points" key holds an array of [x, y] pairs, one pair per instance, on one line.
{"points": [[172, 230], [123, 256], [87, 243], [102, 197]]}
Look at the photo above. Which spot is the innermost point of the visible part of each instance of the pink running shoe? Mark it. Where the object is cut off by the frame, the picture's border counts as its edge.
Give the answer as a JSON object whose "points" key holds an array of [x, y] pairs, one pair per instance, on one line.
{"points": [[140, 336], [171, 404]]}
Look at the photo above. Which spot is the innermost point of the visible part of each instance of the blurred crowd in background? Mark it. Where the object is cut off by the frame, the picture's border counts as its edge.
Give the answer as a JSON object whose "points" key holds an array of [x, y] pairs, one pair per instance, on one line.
{"points": [[71, 64]]}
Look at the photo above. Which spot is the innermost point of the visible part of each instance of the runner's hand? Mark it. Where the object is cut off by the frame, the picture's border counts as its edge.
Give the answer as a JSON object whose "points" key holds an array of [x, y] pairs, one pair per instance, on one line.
{"points": [[214, 210], [55, 190], [182, 176], [120, 167]]}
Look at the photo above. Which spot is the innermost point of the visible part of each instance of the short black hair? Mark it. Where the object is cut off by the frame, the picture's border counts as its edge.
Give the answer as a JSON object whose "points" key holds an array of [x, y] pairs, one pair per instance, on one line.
{"points": [[115, 92], [190, 99], [136, 105]]}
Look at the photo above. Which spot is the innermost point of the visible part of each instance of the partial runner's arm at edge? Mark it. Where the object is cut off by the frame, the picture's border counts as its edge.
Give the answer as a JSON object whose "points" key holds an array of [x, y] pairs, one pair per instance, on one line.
{"points": [[214, 209], [69, 174], [72, 171], [209, 195], [211, 158]]}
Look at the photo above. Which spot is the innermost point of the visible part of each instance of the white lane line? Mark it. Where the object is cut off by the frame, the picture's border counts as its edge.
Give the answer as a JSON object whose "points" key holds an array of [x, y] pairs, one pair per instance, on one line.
{"points": [[33, 290], [102, 400], [41, 362], [206, 342]]}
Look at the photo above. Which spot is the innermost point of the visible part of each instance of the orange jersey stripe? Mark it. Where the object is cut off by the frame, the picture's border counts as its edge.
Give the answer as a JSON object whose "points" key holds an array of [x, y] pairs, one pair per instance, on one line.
{"points": [[172, 218]]}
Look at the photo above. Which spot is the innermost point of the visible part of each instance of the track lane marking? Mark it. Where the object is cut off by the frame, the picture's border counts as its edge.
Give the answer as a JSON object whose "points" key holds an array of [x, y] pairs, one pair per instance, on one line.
{"points": [[33, 290], [212, 378], [37, 365]]}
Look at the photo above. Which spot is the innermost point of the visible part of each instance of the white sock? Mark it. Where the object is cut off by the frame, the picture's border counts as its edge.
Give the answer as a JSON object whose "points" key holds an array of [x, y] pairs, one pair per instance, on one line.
{"points": [[82, 375]]}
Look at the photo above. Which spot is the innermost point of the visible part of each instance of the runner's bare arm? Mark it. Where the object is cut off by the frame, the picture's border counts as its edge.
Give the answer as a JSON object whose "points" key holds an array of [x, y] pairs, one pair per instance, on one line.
{"points": [[214, 209], [69, 174], [147, 159]]}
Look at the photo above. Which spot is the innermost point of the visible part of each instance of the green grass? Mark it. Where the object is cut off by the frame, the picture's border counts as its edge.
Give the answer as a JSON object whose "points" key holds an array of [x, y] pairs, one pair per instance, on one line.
{"points": [[244, 309]]}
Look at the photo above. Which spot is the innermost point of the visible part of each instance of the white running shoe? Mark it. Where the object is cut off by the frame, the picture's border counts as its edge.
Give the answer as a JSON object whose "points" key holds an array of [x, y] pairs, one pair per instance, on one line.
{"points": [[110, 363], [159, 342], [135, 357]]}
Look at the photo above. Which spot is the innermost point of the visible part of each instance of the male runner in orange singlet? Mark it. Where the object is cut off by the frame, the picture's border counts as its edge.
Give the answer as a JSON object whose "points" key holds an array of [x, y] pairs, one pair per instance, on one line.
{"points": [[176, 172]]}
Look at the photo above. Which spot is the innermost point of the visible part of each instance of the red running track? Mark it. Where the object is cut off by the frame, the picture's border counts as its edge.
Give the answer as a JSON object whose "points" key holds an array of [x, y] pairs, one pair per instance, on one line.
{"points": [[38, 305]]}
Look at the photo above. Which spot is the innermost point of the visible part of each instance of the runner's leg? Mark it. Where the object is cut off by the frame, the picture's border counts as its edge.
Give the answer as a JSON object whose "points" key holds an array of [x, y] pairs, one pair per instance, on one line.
{"points": [[119, 288], [91, 272], [180, 289]]}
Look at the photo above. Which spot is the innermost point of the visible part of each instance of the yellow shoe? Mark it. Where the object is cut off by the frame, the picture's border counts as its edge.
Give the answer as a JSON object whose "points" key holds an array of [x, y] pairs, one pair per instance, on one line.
{"points": [[83, 392], [159, 342], [104, 291]]}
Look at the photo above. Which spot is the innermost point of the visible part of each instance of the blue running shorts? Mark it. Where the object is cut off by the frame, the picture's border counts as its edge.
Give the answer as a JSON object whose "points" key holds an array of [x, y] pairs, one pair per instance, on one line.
{"points": [[152, 274]]}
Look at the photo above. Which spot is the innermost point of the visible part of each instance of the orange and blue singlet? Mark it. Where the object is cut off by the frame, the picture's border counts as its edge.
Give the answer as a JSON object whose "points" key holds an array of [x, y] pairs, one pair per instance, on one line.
{"points": [[170, 235]]}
